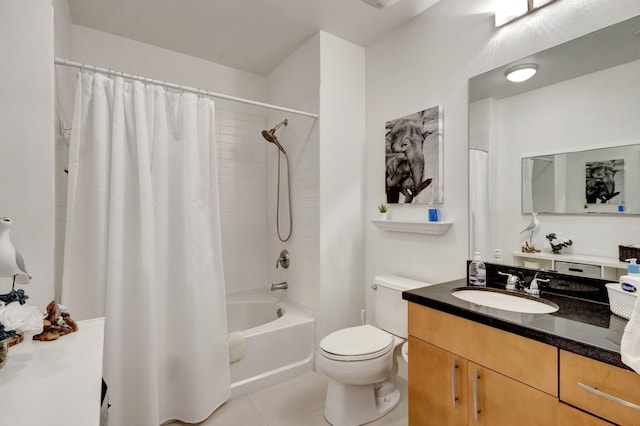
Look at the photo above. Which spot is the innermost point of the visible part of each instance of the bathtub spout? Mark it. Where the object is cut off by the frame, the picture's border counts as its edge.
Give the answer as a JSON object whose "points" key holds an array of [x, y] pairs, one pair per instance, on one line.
{"points": [[280, 286]]}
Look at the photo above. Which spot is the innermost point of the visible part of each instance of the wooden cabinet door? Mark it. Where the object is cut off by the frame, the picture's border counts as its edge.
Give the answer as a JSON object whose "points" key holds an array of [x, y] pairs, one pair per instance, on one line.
{"points": [[497, 400], [437, 386]]}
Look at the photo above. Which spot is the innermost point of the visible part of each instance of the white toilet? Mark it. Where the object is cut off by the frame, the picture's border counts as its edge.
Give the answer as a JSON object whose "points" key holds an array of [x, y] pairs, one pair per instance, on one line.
{"points": [[361, 362]]}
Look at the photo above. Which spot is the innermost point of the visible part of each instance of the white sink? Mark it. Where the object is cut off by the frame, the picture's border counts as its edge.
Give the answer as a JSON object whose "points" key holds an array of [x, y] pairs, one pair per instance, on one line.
{"points": [[507, 301]]}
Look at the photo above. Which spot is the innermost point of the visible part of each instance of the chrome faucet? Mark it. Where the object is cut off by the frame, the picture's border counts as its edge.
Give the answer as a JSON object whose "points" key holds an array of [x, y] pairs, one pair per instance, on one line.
{"points": [[280, 286], [534, 287], [514, 282]]}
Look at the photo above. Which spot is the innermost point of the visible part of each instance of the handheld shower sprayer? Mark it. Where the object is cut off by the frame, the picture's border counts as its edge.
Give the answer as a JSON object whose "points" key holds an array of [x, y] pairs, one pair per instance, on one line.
{"points": [[270, 135]]}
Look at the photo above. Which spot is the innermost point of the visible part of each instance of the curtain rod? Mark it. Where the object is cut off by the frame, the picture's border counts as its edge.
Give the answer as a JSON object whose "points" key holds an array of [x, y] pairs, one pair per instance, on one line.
{"points": [[67, 63]]}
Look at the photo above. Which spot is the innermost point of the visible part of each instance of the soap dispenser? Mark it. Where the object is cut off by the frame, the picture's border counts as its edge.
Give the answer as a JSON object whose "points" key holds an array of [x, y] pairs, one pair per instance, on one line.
{"points": [[477, 271], [631, 281]]}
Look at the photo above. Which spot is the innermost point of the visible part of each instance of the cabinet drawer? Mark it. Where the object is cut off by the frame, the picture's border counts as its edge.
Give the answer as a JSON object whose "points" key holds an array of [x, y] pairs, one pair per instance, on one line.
{"points": [[525, 360], [609, 392], [569, 416], [579, 269]]}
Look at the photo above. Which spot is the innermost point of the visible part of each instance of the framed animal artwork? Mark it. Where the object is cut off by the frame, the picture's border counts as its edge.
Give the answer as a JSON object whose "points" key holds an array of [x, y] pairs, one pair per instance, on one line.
{"points": [[604, 182], [414, 162]]}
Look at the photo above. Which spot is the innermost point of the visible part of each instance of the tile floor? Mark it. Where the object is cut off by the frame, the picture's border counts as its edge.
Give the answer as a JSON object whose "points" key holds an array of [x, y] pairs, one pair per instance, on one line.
{"points": [[297, 402]]}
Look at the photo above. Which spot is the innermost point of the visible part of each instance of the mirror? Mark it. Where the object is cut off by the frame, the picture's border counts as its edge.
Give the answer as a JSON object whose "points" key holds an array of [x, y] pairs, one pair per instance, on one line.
{"points": [[532, 144], [605, 180]]}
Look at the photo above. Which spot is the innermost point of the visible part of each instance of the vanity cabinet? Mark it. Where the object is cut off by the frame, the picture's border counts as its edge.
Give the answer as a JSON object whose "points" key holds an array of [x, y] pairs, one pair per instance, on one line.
{"points": [[569, 416], [462, 372], [607, 391], [450, 390], [437, 385]]}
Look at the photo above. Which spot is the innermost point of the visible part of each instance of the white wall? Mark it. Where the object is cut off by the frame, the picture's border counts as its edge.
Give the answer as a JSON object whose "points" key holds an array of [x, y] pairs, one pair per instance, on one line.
{"points": [[342, 141], [428, 62], [26, 119], [241, 149], [109, 51], [569, 117]]}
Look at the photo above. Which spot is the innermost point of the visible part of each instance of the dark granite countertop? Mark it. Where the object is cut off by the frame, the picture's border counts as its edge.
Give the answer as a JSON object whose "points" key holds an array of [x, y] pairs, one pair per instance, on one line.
{"points": [[583, 327]]}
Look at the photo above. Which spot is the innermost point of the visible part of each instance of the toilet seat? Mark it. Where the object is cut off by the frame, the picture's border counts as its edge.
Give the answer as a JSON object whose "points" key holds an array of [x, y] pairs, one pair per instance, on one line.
{"points": [[356, 343]]}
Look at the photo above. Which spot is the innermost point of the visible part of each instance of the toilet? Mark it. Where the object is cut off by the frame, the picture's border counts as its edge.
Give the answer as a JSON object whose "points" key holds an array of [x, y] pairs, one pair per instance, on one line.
{"points": [[361, 362]]}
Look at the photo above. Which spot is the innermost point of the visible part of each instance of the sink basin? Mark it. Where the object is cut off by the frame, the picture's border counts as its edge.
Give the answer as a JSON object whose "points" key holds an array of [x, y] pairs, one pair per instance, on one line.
{"points": [[505, 300]]}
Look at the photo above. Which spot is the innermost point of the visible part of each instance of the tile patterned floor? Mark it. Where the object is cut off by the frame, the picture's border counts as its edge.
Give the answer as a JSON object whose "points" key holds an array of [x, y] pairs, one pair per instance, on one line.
{"points": [[297, 402]]}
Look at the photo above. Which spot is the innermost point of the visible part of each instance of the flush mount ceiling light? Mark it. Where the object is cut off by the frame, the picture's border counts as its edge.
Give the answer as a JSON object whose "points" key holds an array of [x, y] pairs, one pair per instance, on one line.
{"points": [[520, 73], [380, 4]]}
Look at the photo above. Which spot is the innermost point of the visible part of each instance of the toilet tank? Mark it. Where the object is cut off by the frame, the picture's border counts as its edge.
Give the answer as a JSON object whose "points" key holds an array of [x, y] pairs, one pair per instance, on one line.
{"points": [[390, 310]]}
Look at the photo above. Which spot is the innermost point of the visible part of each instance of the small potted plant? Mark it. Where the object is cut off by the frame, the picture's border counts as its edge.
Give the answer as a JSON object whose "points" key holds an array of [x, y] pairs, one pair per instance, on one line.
{"points": [[384, 212]]}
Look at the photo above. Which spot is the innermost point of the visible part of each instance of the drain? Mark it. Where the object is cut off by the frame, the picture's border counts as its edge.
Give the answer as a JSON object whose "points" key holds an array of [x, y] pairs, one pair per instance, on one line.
{"points": [[279, 312]]}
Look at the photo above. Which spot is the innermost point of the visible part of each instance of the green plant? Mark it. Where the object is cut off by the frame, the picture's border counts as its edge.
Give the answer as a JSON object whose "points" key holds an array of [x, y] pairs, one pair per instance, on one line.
{"points": [[383, 208]]}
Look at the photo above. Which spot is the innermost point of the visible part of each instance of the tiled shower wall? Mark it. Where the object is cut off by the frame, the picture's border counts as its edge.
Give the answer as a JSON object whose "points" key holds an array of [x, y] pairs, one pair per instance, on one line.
{"points": [[243, 200], [301, 141]]}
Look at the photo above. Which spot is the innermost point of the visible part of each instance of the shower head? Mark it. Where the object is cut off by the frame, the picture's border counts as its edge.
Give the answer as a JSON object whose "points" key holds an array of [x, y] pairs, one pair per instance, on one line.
{"points": [[270, 135]]}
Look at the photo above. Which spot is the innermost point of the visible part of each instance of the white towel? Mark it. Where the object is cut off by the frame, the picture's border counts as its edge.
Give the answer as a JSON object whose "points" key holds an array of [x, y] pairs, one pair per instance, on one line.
{"points": [[237, 346], [630, 344]]}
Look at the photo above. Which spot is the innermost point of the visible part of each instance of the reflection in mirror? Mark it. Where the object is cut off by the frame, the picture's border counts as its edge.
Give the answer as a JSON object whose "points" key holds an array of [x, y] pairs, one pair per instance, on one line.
{"points": [[605, 180], [532, 145]]}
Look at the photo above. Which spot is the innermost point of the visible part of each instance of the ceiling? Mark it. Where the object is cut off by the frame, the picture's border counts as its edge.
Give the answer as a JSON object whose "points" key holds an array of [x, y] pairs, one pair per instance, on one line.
{"points": [[251, 35]]}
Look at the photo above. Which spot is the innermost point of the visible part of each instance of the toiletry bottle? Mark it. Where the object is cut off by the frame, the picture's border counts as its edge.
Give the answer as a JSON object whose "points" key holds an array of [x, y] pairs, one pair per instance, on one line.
{"points": [[434, 214], [477, 271], [631, 281]]}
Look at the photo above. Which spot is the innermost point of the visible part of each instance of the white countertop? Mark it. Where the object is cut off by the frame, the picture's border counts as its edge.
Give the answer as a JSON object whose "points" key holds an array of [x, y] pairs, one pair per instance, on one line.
{"points": [[54, 383]]}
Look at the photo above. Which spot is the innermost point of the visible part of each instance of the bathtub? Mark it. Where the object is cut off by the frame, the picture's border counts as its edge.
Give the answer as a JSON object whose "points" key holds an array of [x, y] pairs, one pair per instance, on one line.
{"points": [[279, 340]]}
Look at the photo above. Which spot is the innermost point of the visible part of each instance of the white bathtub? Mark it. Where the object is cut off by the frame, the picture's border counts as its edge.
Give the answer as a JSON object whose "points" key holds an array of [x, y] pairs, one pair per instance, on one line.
{"points": [[277, 348]]}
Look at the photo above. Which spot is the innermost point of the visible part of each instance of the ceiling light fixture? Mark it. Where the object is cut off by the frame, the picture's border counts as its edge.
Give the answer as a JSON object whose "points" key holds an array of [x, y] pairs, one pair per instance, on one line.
{"points": [[520, 73], [510, 10], [380, 4]]}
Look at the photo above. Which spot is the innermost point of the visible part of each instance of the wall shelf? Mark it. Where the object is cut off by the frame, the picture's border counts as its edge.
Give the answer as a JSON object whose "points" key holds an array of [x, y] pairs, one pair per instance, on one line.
{"points": [[432, 228], [611, 268]]}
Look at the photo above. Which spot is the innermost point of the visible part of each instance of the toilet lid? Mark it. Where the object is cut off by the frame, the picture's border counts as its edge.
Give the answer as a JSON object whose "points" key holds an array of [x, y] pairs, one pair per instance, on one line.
{"points": [[356, 343]]}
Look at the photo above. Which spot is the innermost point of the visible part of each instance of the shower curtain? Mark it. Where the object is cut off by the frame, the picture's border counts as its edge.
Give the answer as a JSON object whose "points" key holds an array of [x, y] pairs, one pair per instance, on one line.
{"points": [[143, 248], [527, 185], [480, 216]]}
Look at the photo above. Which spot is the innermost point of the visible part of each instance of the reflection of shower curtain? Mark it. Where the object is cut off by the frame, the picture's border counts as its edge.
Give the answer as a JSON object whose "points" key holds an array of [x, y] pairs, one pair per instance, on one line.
{"points": [[479, 222], [143, 248], [527, 185]]}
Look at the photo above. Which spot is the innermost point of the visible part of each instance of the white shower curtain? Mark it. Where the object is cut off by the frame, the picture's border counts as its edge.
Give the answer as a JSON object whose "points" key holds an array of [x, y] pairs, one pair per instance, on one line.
{"points": [[143, 248], [527, 185], [479, 213]]}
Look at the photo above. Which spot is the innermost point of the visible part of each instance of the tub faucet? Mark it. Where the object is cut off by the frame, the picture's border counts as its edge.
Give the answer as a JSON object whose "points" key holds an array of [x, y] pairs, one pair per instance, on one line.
{"points": [[280, 286], [283, 259]]}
